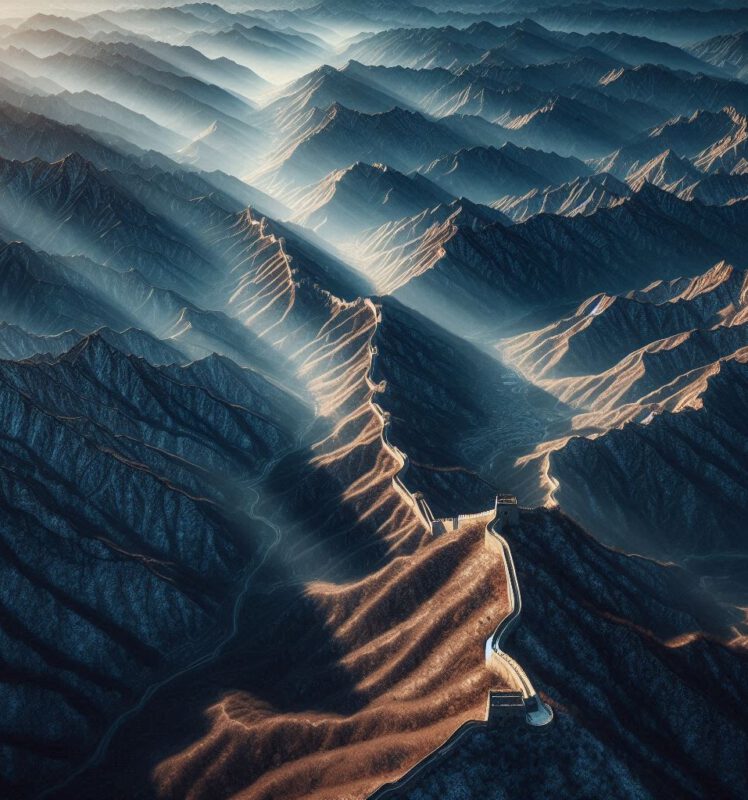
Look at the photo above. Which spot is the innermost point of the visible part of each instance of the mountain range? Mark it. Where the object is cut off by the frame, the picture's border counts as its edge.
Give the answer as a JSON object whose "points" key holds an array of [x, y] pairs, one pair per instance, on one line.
{"points": [[374, 380]]}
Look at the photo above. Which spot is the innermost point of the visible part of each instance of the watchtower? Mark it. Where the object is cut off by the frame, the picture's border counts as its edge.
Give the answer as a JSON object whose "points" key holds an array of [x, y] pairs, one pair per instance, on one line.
{"points": [[504, 706], [507, 511]]}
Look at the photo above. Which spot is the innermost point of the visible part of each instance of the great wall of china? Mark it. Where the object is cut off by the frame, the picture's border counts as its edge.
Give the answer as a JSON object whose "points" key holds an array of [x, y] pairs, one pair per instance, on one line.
{"points": [[502, 705]]}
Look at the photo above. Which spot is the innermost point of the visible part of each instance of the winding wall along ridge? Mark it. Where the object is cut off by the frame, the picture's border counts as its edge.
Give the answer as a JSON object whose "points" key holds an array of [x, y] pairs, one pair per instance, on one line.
{"points": [[526, 701], [536, 712], [414, 499], [395, 788]]}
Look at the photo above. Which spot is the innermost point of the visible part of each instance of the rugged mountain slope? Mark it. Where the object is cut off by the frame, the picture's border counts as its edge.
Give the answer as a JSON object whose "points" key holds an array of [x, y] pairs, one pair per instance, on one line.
{"points": [[400, 251], [633, 633], [401, 138], [419, 48], [604, 328], [729, 52], [665, 171], [17, 344], [711, 140], [26, 135], [678, 92], [689, 25], [37, 297], [91, 430], [568, 127], [655, 377], [641, 50], [322, 88], [96, 113], [221, 71], [363, 196], [70, 207], [526, 47], [411, 87], [717, 189], [497, 274], [697, 486], [48, 296], [183, 104], [270, 53], [581, 196], [564, 77], [485, 174]]}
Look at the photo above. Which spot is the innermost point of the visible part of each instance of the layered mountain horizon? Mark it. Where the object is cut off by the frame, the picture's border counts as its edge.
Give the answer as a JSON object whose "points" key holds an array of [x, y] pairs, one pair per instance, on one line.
{"points": [[374, 381]]}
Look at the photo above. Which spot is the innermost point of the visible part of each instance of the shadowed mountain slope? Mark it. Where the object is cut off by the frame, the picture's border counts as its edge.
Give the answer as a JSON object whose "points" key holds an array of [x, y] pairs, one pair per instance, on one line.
{"points": [[494, 272], [487, 174], [96, 462]]}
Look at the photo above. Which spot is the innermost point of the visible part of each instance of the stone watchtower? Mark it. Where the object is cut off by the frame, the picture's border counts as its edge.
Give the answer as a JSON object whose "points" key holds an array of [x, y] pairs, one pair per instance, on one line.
{"points": [[507, 511]]}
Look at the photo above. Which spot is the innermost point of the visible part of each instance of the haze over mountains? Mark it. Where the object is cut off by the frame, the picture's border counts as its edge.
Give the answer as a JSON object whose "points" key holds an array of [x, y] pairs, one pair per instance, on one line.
{"points": [[279, 286]]}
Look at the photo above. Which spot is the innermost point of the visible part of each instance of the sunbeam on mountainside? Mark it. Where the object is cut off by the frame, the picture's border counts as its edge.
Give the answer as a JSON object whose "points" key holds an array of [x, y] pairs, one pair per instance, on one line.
{"points": [[374, 386]]}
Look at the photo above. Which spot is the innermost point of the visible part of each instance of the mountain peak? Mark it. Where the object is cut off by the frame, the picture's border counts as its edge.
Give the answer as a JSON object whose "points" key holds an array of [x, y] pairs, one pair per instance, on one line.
{"points": [[75, 168]]}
